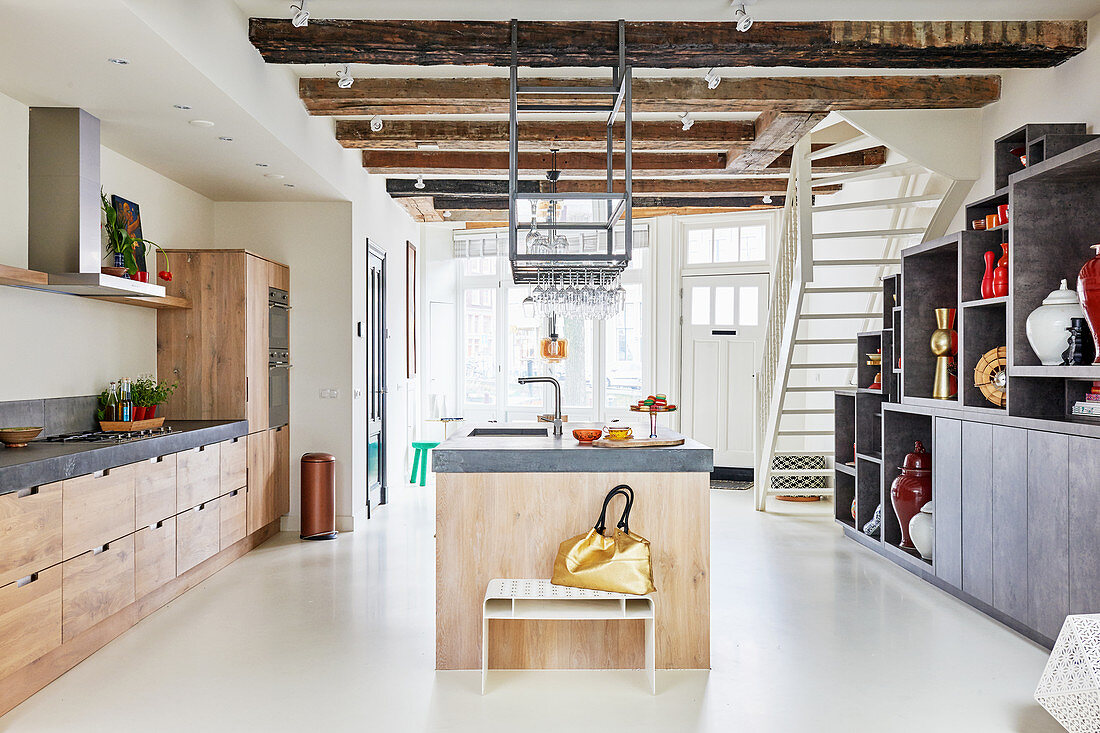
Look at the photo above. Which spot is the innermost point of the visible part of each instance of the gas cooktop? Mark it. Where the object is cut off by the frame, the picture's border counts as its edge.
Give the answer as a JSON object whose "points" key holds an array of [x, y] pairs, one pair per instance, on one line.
{"points": [[100, 436]]}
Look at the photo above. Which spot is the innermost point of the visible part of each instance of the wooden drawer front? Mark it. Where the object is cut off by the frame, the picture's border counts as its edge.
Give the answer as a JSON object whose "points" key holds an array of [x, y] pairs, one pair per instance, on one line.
{"points": [[234, 516], [198, 476], [155, 489], [234, 464], [281, 458], [30, 619], [154, 556], [98, 508], [97, 585], [30, 531], [198, 535]]}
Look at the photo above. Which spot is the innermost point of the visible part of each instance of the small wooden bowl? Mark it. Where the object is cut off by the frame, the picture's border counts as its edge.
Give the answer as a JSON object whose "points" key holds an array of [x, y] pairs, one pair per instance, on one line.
{"points": [[18, 437], [115, 271], [586, 435]]}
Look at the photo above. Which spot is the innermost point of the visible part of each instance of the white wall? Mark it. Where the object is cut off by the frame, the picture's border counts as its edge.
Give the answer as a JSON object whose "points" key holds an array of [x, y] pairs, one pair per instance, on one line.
{"points": [[61, 345]]}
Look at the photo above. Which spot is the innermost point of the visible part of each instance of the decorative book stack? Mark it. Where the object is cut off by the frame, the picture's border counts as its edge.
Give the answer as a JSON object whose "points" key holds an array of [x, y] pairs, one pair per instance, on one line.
{"points": [[1090, 406]]}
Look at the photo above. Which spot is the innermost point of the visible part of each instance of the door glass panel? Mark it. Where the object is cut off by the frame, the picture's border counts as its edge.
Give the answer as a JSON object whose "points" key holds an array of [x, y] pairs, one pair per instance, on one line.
{"points": [[522, 342], [626, 345], [373, 475], [752, 243], [700, 306], [750, 306], [479, 319], [574, 373], [725, 244], [724, 305], [699, 247]]}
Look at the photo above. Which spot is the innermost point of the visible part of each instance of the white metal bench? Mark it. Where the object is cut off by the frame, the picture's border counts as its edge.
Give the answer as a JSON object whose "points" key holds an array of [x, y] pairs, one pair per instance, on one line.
{"points": [[530, 599]]}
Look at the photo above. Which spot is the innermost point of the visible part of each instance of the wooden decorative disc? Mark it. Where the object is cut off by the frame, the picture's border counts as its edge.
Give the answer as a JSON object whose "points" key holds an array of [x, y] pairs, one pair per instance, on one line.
{"points": [[991, 376]]}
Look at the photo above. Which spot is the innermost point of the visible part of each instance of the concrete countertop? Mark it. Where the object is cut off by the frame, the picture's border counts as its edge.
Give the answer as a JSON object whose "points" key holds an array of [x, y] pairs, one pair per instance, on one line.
{"points": [[43, 463], [563, 454]]}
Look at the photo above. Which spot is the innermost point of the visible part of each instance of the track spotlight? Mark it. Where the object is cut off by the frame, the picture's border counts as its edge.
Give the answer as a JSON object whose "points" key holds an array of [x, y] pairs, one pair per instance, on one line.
{"points": [[344, 78], [686, 121], [446, 215], [744, 20], [712, 79], [301, 15], [767, 199], [419, 182], [376, 124]]}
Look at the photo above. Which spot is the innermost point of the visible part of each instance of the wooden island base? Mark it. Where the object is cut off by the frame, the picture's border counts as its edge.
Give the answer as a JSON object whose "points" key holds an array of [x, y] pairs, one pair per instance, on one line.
{"points": [[509, 525]]}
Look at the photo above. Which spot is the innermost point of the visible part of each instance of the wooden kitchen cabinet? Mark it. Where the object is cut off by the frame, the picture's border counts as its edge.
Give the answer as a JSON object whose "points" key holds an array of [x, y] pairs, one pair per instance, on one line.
{"points": [[96, 585], [262, 478], [30, 619], [154, 556], [97, 509], [234, 517], [218, 349], [234, 464], [154, 490], [281, 458], [198, 476], [198, 535], [30, 531]]}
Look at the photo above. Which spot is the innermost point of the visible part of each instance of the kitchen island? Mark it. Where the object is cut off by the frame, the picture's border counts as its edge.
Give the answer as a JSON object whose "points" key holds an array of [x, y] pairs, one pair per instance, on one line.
{"points": [[504, 503]]}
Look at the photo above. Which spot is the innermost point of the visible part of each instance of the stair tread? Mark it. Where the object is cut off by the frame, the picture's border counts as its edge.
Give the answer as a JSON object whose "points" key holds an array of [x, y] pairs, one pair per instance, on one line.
{"points": [[825, 365]]}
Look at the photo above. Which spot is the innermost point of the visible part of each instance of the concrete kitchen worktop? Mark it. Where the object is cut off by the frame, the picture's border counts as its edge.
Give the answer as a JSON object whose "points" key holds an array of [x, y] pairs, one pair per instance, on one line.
{"points": [[43, 463], [563, 454]]}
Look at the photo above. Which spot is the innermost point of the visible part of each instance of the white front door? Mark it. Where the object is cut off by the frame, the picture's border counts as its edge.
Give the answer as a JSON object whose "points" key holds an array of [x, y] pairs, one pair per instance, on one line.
{"points": [[722, 336]]}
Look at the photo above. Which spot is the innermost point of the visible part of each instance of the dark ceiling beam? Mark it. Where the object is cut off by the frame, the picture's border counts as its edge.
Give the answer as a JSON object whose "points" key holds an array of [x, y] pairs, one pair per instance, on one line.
{"points": [[500, 203], [540, 135], [677, 94], [487, 218], [776, 133], [670, 44], [698, 187]]}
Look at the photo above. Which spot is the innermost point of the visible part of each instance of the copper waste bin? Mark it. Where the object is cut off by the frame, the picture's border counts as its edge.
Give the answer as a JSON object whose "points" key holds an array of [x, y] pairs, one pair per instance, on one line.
{"points": [[318, 496]]}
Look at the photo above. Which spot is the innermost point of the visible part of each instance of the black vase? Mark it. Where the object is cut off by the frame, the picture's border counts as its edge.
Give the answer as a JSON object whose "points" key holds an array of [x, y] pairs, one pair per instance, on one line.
{"points": [[1080, 349]]}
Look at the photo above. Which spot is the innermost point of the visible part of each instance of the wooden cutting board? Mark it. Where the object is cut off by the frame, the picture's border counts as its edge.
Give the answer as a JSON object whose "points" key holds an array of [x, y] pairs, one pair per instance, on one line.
{"points": [[638, 443]]}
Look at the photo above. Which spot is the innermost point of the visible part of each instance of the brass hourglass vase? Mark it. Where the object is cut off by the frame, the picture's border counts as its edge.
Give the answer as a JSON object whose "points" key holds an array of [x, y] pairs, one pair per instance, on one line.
{"points": [[945, 344]]}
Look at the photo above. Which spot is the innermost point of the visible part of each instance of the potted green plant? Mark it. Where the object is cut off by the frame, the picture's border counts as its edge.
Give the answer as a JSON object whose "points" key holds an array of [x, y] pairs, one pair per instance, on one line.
{"points": [[143, 392], [160, 392], [121, 245]]}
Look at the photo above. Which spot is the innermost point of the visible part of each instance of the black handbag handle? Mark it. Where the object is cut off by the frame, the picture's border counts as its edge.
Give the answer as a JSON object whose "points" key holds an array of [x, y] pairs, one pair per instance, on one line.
{"points": [[624, 519]]}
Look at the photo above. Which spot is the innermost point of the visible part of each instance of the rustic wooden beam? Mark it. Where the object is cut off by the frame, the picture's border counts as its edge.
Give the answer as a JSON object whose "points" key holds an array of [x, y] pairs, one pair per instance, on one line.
{"points": [[776, 133], [481, 219], [698, 187], [420, 208], [539, 135], [500, 203], [676, 94], [673, 44], [846, 162]]}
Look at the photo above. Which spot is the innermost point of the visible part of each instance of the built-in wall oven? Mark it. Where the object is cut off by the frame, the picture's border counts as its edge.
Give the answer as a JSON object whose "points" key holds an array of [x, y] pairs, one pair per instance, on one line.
{"points": [[278, 357]]}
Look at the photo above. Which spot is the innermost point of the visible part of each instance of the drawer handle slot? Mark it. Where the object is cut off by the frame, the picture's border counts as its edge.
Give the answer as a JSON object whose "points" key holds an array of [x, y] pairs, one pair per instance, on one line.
{"points": [[234, 492], [200, 507], [32, 491], [99, 550], [27, 580], [157, 525], [158, 459], [101, 474]]}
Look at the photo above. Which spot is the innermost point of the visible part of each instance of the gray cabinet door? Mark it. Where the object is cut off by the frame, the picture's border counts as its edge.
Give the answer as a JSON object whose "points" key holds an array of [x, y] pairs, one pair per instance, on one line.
{"points": [[947, 495], [1010, 521], [1084, 525], [977, 510], [1047, 531]]}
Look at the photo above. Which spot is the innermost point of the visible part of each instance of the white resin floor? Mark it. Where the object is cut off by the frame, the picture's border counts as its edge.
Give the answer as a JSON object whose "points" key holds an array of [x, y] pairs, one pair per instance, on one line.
{"points": [[810, 633]]}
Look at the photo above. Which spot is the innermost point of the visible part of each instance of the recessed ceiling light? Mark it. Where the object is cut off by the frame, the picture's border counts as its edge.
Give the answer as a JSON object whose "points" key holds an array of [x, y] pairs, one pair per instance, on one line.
{"points": [[182, 106], [226, 139], [289, 185], [274, 176], [118, 61], [202, 123], [261, 165]]}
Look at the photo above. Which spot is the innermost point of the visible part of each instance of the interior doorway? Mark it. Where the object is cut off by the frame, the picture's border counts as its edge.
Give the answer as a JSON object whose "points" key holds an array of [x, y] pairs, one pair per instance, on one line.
{"points": [[375, 335], [721, 340]]}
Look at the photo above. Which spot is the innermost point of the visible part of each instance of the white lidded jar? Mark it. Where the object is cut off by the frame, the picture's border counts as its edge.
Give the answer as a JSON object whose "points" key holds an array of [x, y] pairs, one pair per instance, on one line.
{"points": [[922, 531], [1047, 324]]}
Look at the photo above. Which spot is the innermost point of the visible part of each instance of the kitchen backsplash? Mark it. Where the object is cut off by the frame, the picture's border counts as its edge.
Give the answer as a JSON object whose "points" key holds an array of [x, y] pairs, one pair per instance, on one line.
{"points": [[56, 415]]}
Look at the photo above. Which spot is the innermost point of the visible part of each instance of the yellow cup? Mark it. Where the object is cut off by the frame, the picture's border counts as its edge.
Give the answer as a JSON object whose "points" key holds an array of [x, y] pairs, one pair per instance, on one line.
{"points": [[620, 433]]}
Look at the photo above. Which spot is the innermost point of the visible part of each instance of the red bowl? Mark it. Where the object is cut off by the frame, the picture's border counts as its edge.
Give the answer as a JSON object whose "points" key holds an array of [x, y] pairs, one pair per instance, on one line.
{"points": [[586, 435]]}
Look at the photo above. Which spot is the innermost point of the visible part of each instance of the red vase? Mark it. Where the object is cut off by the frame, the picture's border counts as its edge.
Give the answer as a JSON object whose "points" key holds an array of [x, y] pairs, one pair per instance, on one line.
{"points": [[141, 277], [1088, 289], [1000, 274], [987, 278], [912, 489]]}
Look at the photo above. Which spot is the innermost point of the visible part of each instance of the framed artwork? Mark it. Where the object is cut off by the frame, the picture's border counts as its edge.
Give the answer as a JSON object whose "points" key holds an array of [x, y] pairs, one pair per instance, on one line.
{"points": [[410, 309], [130, 215]]}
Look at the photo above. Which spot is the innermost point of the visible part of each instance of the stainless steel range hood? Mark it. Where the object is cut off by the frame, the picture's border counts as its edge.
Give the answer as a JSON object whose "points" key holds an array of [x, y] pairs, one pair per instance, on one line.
{"points": [[64, 238]]}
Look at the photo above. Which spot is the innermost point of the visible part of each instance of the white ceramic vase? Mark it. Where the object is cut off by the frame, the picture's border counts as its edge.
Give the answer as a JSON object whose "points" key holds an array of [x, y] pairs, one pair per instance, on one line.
{"points": [[921, 528], [1047, 324]]}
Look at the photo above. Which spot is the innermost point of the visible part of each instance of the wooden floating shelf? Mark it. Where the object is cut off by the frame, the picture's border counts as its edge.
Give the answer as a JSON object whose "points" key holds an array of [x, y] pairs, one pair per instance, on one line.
{"points": [[23, 278], [145, 301], [19, 277]]}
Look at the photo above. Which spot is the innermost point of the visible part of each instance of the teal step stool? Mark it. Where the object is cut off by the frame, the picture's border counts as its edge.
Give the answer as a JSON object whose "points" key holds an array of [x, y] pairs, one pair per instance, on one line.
{"points": [[420, 459]]}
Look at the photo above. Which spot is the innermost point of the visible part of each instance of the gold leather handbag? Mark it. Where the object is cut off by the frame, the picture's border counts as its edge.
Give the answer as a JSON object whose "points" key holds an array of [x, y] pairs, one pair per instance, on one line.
{"points": [[619, 563]]}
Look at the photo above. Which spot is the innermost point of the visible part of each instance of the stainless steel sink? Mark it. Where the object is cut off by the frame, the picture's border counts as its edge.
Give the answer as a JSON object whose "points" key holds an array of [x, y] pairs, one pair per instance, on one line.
{"points": [[508, 433]]}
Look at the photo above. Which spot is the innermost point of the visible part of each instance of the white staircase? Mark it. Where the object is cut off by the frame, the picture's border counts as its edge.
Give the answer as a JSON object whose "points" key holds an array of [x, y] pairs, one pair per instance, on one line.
{"points": [[826, 288]]}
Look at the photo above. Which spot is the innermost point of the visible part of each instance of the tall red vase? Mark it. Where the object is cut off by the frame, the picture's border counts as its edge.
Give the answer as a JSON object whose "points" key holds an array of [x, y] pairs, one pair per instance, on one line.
{"points": [[912, 489], [1000, 274], [1088, 289], [987, 278]]}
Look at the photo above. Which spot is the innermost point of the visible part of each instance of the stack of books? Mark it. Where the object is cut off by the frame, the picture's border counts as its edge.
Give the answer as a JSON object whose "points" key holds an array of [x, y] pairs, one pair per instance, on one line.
{"points": [[1090, 406]]}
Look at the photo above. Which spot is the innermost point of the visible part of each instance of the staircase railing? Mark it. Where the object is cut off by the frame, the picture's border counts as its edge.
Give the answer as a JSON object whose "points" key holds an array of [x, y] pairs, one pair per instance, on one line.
{"points": [[793, 269]]}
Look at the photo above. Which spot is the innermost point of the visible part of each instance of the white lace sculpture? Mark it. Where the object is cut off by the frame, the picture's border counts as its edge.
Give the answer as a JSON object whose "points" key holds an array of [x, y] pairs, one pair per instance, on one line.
{"points": [[1070, 686]]}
